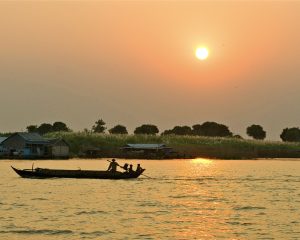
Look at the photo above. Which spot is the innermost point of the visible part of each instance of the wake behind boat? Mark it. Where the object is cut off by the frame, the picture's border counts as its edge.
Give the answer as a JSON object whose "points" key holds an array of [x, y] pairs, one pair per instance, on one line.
{"points": [[91, 174]]}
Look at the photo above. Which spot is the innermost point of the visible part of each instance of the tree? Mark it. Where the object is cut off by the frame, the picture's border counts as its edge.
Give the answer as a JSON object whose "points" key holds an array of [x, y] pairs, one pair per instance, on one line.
{"points": [[179, 130], [32, 128], [99, 126], [118, 129], [211, 129], [237, 136], [45, 128], [86, 131], [290, 135], [60, 127], [146, 129], [256, 131]]}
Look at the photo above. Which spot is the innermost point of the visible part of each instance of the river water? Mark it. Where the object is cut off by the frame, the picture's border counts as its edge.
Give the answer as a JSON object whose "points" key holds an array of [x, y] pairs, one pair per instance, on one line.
{"points": [[183, 199]]}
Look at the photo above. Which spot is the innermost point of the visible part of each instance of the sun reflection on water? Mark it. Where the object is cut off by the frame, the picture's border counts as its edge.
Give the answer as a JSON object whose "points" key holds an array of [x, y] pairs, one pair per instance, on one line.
{"points": [[203, 161]]}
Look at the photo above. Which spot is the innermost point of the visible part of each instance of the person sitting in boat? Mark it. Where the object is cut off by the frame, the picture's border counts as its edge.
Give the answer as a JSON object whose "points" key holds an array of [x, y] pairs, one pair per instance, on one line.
{"points": [[130, 170], [113, 166], [139, 168], [125, 167]]}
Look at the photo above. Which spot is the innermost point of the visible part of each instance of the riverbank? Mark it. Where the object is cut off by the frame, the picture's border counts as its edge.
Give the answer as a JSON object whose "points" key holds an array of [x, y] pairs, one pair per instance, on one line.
{"points": [[109, 145]]}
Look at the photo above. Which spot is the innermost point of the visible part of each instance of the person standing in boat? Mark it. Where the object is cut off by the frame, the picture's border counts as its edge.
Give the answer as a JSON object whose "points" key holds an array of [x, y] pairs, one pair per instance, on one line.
{"points": [[113, 166]]}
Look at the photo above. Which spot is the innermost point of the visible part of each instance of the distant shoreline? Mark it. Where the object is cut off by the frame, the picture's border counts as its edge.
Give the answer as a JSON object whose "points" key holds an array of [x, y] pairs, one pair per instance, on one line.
{"points": [[97, 146], [175, 159], [186, 147]]}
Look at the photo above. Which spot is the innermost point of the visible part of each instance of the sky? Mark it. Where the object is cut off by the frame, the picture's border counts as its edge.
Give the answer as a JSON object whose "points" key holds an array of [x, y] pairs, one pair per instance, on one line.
{"points": [[133, 63]]}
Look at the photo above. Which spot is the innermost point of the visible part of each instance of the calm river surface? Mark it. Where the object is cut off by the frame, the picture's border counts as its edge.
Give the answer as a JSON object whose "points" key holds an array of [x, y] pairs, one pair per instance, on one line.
{"points": [[186, 199]]}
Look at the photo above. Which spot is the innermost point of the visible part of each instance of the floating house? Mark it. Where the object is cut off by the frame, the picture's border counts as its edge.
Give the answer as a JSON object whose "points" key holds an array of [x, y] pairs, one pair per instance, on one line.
{"points": [[25, 145], [2, 150], [58, 148], [33, 145], [147, 150], [91, 152]]}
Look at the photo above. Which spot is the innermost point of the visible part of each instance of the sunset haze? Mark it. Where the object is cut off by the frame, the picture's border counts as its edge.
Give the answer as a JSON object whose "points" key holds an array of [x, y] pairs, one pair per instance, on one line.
{"points": [[132, 63]]}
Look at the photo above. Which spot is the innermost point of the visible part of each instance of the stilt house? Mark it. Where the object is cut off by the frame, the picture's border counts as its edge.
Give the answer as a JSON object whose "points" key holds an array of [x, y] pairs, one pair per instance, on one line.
{"points": [[147, 150], [25, 145], [33, 145]]}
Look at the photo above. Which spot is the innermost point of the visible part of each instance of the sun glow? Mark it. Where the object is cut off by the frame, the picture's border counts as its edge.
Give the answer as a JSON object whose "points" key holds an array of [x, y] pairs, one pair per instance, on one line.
{"points": [[203, 161], [202, 53]]}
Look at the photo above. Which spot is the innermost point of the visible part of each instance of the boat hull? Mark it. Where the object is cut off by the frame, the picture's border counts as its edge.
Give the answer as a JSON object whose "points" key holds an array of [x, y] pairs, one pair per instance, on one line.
{"points": [[88, 174]]}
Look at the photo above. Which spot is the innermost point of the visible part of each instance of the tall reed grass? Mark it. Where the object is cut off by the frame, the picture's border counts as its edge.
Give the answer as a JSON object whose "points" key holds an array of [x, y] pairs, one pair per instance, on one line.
{"points": [[189, 146]]}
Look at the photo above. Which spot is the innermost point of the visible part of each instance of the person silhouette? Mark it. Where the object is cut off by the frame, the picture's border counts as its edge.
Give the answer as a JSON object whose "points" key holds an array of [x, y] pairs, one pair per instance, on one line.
{"points": [[139, 168], [113, 166], [125, 167]]}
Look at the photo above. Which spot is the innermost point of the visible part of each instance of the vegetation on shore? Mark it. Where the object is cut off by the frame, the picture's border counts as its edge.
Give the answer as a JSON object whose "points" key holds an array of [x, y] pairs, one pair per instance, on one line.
{"points": [[209, 139], [206, 129], [189, 146]]}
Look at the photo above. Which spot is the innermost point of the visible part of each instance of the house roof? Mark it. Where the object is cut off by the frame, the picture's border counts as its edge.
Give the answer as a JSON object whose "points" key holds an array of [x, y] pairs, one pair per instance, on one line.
{"points": [[2, 139], [54, 141], [32, 137], [35, 138], [145, 146]]}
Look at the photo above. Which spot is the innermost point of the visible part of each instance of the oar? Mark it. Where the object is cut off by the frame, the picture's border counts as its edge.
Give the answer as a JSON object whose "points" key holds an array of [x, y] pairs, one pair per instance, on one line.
{"points": [[124, 169], [147, 176]]}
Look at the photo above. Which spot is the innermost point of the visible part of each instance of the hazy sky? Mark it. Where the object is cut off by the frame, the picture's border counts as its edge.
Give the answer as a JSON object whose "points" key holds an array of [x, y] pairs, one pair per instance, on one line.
{"points": [[132, 63]]}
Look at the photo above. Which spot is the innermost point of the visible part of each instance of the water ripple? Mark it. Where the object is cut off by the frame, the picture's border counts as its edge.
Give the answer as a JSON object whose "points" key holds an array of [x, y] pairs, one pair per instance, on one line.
{"points": [[39, 199], [39, 231], [249, 208], [95, 233], [90, 212]]}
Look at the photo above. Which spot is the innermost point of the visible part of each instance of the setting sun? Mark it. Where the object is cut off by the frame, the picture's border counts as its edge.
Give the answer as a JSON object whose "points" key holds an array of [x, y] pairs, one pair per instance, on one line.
{"points": [[202, 53]]}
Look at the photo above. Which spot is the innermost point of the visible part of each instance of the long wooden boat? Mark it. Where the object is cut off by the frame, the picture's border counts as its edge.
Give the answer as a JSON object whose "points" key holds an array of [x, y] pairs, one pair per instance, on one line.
{"points": [[59, 173]]}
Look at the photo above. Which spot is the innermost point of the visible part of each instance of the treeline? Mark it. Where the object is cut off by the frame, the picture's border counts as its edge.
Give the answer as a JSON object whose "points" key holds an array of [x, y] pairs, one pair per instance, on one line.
{"points": [[207, 129], [47, 128]]}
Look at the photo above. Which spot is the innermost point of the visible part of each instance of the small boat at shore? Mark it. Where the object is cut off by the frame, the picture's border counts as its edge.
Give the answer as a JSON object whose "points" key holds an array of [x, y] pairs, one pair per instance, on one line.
{"points": [[90, 174]]}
